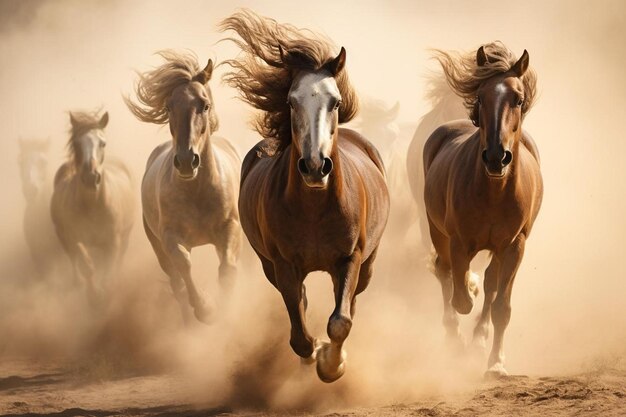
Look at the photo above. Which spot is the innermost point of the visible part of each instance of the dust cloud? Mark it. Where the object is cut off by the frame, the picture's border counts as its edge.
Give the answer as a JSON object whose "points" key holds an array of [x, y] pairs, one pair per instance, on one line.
{"points": [[568, 303]]}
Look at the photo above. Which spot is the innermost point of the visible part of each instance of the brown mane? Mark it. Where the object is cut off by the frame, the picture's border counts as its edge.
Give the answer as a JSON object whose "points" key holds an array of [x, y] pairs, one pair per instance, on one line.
{"points": [[465, 76], [155, 87], [82, 123], [264, 75]]}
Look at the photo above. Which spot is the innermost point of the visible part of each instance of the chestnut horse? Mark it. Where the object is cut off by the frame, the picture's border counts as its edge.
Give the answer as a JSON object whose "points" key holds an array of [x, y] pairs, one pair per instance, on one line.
{"points": [[313, 196], [189, 190], [483, 186], [92, 205]]}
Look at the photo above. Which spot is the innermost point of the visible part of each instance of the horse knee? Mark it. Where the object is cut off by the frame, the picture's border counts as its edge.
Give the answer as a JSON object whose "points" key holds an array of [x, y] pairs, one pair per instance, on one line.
{"points": [[339, 327]]}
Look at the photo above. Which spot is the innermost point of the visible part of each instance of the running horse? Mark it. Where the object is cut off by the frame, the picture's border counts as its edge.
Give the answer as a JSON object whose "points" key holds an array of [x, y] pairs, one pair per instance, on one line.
{"points": [[92, 205], [483, 186], [313, 196], [190, 186]]}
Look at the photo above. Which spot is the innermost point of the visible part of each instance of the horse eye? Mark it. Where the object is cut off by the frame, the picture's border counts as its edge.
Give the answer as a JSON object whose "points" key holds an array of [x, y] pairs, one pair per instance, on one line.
{"points": [[337, 104], [520, 102], [289, 103], [206, 107], [103, 144], [477, 100]]}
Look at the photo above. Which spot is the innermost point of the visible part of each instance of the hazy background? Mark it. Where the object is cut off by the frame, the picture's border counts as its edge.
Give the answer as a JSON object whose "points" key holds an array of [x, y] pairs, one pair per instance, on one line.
{"points": [[568, 303]]}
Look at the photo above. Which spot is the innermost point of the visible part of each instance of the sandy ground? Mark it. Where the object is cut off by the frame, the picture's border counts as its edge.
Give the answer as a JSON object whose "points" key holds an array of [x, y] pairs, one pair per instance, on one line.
{"points": [[36, 389]]}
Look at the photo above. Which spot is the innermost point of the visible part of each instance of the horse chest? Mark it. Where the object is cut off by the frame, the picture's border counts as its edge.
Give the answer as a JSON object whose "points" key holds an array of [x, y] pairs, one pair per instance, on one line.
{"points": [[317, 242]]}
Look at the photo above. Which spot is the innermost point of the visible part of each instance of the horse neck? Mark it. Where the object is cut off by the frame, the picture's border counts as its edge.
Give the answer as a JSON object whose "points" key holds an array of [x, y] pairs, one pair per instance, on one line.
{"points": [[208, 170], [297, 192]]}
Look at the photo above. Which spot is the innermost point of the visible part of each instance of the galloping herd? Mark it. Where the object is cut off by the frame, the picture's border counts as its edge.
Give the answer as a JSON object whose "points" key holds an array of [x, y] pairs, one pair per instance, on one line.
{"points": [[310, 195]]}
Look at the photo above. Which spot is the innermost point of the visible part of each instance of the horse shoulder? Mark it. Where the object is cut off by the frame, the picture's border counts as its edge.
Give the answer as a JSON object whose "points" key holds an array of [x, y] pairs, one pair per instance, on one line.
{"points": [[530, 144], [63, 174], [365, 145], [443, 135]]}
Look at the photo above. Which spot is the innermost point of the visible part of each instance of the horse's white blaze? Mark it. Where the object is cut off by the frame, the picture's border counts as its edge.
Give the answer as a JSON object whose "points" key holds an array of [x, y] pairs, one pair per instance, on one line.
{"points": [[313, 96]]}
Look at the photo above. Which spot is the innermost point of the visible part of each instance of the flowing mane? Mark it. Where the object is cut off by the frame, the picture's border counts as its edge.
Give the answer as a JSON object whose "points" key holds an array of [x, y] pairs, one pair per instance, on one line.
{"points": [[154, 87], [82, 123], [272, 53], [465, 76]]}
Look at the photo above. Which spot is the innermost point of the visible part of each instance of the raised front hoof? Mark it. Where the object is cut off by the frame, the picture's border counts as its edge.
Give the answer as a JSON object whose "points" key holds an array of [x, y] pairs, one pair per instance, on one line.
{"points": [[462, 302], [328, 370], [496, 372]]}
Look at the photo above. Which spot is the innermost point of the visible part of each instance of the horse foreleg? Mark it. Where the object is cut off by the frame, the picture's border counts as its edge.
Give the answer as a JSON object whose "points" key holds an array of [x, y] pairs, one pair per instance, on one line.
{"points": [[331, 357], [228, 250], [289, 281], [176, 283], [461, 275], [181, 261], [511, 258], [481, 331]]}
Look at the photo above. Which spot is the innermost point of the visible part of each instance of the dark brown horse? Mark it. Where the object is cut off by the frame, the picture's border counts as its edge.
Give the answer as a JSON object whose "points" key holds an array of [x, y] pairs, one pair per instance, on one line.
{"points": [[313, 196], [483, 186]]}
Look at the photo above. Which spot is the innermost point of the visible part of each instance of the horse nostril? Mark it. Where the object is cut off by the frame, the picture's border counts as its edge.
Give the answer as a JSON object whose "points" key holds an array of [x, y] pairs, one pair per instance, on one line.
{"points": [[508, 157], [303, 167], [195, 162], [327, 166], [176, 162], [484, 156]]}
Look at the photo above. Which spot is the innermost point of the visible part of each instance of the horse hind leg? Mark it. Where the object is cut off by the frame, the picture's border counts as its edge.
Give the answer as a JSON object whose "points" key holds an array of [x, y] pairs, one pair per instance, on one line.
{"points": [[228, 250]]}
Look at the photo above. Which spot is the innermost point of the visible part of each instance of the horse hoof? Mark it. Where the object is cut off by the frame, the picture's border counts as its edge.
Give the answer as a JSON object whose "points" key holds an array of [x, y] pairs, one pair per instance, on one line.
{"points": [[462, 303], [472, 284], [497, 371], [327, 371]]}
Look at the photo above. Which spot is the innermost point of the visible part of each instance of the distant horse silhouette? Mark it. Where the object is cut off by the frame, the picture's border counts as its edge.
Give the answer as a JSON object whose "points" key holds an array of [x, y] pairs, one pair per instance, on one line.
{"points": [[45, 248], [313, 196], [483, 186], [92, 204], [446, 106], [190, 187], [378, 121]]}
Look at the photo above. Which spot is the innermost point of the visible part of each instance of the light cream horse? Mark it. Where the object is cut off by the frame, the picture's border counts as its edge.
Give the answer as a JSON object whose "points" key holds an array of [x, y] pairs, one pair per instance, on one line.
{"points": [[190, 187], [92, 204]]}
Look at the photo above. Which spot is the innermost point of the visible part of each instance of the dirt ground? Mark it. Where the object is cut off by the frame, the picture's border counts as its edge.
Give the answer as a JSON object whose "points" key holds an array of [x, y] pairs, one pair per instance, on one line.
{"points": [[32, 389]]}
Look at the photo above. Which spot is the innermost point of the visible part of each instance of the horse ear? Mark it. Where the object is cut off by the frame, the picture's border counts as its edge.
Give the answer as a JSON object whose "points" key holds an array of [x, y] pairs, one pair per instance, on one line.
{"points": [[204, 76], [521, 65], [73, 120], [104, 120], [481, 57], [336, 65], [392, 114]]}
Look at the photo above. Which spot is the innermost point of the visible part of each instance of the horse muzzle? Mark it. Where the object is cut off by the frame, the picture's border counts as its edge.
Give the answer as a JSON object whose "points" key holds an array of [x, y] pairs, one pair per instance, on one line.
{"points": [[496, 163], [186, 165], [315, 172], [92, 179]]}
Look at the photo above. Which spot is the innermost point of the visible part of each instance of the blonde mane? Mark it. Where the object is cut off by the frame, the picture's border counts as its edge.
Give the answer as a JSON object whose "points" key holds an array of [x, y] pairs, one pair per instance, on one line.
{"points": [[155, 87], [272, 54], [465, 76]]}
